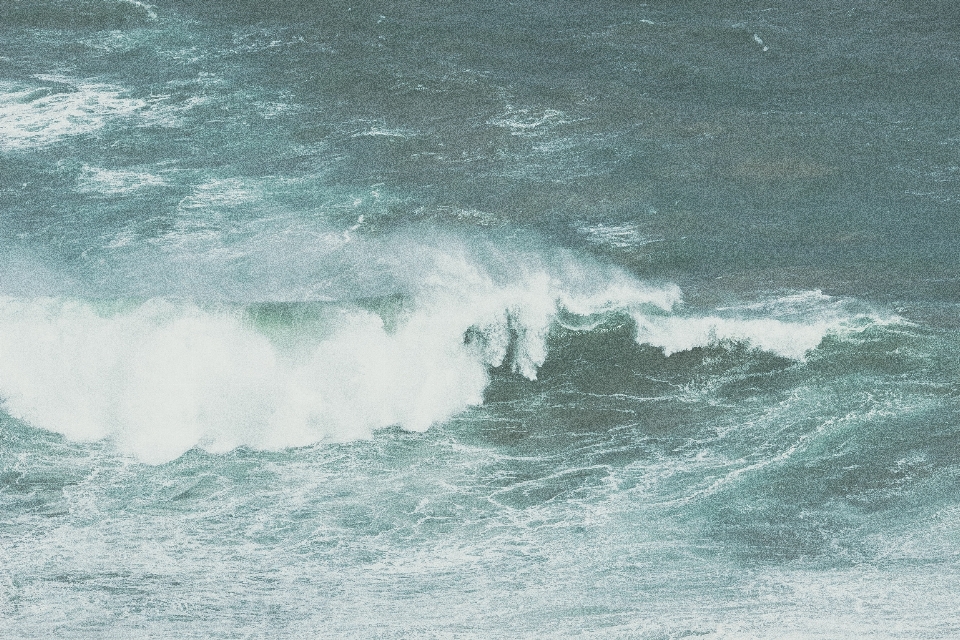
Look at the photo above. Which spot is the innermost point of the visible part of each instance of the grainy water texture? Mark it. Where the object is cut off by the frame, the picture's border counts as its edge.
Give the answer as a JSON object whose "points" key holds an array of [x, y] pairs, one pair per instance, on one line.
{"points": [[479, 319]]}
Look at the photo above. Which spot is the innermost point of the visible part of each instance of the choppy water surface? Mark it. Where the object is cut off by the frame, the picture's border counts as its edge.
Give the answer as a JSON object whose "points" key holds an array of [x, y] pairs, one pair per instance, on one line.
{"points": [[373, 319]]}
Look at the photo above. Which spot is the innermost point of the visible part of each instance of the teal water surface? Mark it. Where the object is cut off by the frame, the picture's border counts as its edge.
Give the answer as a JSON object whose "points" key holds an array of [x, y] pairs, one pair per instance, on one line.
{"points": [[381, 319]]}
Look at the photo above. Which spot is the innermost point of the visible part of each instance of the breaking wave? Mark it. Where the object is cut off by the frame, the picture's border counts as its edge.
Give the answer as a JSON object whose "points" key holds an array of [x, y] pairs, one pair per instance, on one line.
{"points": [[160, 376]]}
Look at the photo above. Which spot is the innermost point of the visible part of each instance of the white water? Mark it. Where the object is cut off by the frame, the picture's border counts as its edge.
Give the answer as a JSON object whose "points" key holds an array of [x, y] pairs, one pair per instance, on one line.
{"points": [[160, 377], [43, 113]]}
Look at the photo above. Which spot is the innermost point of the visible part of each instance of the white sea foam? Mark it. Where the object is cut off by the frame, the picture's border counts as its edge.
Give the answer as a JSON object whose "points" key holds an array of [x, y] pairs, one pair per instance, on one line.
{"points": [[229, 192], [147, 9], [162, 378], [622, 236], [95, 180], [45, 112], [529, 122]]}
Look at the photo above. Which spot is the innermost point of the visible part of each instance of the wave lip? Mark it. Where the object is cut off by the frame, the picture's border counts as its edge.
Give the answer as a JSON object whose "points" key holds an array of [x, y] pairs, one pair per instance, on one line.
{"points": [[790, 340], [789, 326]]}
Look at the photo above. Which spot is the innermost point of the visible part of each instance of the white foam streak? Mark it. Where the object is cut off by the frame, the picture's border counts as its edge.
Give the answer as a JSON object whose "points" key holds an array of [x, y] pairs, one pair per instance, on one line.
{"points": [[148, 9], [526, 122], [35, 116], [94, 180]]}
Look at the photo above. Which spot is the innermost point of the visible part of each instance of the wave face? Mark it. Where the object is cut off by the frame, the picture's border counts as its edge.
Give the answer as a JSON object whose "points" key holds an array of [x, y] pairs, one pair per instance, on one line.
{"points": [[497, 320]]}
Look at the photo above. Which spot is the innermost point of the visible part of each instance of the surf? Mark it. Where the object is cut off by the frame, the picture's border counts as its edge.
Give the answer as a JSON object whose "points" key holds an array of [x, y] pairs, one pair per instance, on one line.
{"points": [[158, 376]]}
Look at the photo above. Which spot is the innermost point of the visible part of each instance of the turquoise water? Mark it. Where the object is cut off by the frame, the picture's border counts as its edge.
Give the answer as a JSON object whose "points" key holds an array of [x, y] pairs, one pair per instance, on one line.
{"points": [[482, 320]]}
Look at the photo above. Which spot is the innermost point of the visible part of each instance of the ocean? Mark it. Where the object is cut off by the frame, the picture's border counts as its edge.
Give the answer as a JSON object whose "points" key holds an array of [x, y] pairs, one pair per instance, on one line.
{"points": [[530, 319]]}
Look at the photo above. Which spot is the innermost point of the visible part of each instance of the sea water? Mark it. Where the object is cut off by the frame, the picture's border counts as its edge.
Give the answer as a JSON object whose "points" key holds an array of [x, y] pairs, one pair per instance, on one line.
{"points": [[379, 319]]}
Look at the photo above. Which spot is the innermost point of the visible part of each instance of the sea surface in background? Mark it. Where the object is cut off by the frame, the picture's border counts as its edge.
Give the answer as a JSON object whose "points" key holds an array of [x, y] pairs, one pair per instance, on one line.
{"points": [[479, 319]]}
